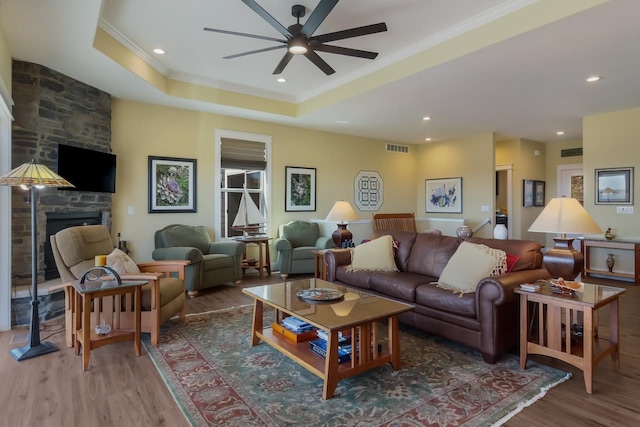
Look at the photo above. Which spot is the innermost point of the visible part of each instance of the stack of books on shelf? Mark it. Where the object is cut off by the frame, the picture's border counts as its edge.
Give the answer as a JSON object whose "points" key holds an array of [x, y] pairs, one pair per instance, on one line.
{"points": [[319, 345], [294, 329]]}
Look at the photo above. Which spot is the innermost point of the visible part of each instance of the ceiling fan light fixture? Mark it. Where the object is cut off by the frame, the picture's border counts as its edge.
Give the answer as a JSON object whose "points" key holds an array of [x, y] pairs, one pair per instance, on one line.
{"points": [[297, 47]]}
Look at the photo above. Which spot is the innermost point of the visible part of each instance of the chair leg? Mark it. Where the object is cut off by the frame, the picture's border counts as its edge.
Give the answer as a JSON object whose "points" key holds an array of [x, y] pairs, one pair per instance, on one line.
{"points": [[192, 294], [284, 276], [237, 282], [181, 314]]}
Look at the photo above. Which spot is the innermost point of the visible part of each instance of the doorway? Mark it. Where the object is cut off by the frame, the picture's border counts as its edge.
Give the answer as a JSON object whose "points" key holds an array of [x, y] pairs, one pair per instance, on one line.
{"points": [[504, 198], [571, 184]]}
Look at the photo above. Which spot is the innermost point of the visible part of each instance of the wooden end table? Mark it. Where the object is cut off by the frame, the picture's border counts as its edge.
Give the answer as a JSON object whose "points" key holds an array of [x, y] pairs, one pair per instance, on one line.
{"points": [[319, 266], [555, 310], [85, 336], [264, 259]]}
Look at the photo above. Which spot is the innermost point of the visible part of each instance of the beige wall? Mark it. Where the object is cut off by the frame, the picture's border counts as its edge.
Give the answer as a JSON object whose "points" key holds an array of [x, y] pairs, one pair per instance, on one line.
{"points": [[5, 69], [140, 130], [470, 157]]}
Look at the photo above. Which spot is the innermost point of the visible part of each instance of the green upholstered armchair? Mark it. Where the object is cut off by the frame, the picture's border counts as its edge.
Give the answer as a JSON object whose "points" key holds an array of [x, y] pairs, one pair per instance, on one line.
{"points": [[212, 263], [297, 240]]}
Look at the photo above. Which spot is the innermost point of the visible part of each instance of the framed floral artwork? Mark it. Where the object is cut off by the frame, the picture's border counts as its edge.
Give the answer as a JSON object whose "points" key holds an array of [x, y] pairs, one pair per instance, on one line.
{"points": [[172, 185], [538, 198], [444, 195], [300, 189], [528, 192]]}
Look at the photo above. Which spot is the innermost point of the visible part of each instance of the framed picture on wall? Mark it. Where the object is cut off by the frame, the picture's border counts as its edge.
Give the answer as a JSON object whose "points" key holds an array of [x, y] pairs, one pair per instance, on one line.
{"points": [[443, 195], [172, 185], [527, 192], [614, 186], [538, 199], [300, 189]]}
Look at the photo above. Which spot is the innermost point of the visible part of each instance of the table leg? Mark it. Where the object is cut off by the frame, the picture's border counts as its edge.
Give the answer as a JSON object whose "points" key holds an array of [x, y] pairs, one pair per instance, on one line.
{"points": [[614, 325], [331, 366], [138, 320], [86, 330], [394, 343], [257, 322], [261, 259], [524, 333], [267, 257], [587, 339]]}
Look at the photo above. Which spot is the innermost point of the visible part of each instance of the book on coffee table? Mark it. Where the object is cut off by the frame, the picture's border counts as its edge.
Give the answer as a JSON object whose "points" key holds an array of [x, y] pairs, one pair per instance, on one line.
{"points": [[295, 336], [319, 347]]}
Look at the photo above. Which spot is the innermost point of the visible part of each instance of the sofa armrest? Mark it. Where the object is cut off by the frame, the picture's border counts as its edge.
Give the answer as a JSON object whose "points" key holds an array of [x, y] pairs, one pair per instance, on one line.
{"points": [[229, 247], [333, 259], [498, 290], [177, 253], [282, 244], [324, 242]]}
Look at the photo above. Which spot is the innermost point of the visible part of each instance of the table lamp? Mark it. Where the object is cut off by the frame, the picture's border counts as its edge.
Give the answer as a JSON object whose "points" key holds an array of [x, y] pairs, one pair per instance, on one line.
{"points": [[31, 176], [342, 212], [564, 215]]}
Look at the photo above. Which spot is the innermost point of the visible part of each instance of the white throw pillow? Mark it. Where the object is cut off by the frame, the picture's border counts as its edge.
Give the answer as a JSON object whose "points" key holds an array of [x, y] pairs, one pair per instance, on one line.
{"points": [[470, 263], [375, 255], [122, 263]]}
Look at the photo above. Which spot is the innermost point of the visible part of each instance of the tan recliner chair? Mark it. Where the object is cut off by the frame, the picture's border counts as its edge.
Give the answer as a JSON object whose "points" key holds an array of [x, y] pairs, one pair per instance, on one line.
{"points": [[75, 249]]}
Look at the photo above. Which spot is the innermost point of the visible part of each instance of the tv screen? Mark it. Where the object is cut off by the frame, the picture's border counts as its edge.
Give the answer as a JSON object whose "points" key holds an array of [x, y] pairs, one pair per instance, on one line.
{"points": [[88, 170]]}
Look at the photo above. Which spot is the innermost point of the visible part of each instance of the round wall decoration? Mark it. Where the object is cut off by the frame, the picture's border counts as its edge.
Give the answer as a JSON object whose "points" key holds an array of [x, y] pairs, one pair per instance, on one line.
{"points": [[368, 191]]}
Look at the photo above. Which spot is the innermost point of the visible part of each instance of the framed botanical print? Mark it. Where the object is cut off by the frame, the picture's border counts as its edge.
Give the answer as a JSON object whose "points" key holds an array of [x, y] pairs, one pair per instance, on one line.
{"points": [[300, 189], [444, 195], [172, 185]]}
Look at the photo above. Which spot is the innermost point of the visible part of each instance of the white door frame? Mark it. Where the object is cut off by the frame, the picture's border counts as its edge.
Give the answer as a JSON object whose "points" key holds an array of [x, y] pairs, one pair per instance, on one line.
{"points": [[509, 169], [5, 214]]}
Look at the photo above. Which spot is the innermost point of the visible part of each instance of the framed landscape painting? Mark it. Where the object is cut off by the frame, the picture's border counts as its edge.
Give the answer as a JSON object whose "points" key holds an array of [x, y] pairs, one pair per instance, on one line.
{"points": [[172, 185], [538, 199], [614, 186], [300, 189], [444, 195], [527, 192]]}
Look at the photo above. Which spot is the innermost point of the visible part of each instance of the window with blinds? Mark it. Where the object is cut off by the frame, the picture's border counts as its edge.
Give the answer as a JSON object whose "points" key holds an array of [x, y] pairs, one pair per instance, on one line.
{"points": [[242, 164]]}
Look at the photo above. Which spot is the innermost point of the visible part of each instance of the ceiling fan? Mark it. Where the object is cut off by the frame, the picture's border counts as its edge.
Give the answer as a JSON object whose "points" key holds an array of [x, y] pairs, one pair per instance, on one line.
{"points": [[299, 39]]}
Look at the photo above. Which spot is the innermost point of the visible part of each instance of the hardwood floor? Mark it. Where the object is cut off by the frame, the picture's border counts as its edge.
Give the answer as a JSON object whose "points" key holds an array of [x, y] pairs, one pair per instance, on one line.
{"points": [[124, 390]]}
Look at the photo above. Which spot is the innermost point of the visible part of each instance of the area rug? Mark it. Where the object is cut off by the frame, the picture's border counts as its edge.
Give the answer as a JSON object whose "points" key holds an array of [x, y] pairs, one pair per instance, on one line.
{"points": [[218, 379]]}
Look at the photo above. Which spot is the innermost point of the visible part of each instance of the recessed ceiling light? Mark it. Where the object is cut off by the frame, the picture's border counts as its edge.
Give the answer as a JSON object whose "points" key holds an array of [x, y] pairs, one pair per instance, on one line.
{"points": [[281, 80], [427, 139], [425, 118], [158, 51], [560, 132], [592, 79], [342, 122]]}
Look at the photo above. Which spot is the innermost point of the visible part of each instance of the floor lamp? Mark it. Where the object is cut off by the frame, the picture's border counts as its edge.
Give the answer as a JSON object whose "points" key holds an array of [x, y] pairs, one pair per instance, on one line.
{"points": [[564, 215], [31, 176]]}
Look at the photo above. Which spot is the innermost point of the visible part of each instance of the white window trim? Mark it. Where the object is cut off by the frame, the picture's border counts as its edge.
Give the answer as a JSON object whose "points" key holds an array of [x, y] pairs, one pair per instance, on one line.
{"points": [[222, 133], [5, 211]]}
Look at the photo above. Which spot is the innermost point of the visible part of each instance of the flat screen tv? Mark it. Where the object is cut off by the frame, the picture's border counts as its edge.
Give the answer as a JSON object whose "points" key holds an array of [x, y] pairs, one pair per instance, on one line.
{"points": [[88, 170]]}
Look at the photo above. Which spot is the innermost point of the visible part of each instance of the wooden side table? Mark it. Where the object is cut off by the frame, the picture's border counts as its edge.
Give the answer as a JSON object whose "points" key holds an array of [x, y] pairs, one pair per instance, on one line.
{"points": [[629, 245], [320, 267], [264, 258], [554, 311], [85, 336]]}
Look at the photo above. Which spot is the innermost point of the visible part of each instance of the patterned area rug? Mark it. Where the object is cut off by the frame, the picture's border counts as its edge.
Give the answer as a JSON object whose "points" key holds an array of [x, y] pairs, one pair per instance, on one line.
{"points": [[219, 380]]}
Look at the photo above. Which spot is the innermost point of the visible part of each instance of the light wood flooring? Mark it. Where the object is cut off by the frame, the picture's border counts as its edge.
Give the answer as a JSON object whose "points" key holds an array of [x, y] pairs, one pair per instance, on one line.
{"points": [[122, 390]]}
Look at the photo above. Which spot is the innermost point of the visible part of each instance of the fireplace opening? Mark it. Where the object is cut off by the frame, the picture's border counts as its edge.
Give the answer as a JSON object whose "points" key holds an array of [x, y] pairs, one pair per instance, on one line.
{"points": [[57, 221]]}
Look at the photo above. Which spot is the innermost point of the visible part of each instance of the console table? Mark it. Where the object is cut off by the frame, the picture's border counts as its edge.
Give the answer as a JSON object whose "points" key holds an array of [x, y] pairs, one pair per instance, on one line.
{"points": [[587, 244]]}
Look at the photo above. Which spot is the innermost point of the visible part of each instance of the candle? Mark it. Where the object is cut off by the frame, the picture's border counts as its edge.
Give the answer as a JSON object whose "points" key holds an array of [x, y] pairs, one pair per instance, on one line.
{"points": [[101, 260]]}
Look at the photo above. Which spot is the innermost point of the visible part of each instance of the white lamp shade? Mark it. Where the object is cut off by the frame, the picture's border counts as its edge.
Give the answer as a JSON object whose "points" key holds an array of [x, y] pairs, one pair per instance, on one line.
{"points": [[567, 216], [342, 212]]}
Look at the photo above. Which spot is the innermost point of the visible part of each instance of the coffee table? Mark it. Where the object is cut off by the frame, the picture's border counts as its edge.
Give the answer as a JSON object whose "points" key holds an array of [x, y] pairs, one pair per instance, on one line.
{"points": [[357, 314]]}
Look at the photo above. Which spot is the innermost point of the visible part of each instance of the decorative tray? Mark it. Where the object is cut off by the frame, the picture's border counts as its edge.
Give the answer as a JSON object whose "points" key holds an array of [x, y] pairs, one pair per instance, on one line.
{"points": [[320, 295], [567, 287]]}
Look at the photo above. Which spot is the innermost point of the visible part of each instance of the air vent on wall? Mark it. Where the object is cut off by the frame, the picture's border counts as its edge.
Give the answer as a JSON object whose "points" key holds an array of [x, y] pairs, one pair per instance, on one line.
{"points": [[395, 148]]}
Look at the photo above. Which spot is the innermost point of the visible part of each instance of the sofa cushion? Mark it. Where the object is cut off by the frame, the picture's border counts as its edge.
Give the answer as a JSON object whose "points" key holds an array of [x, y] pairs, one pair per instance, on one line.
{"points": [[430, 295], [187, 236], [170, 288], [216, 262], [529, 253], [398, 285], [430, 254], [300, 233], [361, 280], [122, 263], [470, 263], [375, 255], [303, 252], [405, 240]]}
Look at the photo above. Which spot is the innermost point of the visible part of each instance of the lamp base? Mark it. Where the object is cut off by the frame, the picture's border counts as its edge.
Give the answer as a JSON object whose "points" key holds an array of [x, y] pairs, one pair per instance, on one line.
{"points": [[341, 235], [563, 260], [24, 353]]}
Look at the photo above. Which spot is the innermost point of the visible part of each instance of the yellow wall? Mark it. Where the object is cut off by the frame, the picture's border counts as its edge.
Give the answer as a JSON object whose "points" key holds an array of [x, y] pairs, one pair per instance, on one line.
{"points": [[471, 158], [5, 68], [140, 130]]}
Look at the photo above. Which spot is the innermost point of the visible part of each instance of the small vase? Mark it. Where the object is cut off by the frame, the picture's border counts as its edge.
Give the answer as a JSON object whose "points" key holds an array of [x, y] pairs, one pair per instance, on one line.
{"points": [[500, 232], [610, 262], [464, 232], [609, 235]]}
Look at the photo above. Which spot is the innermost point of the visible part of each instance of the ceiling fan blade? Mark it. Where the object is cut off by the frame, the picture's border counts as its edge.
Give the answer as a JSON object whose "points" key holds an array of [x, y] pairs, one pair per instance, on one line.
{"points": [[345, 51], [266, 49], [318, 16], [270, 19], [320, 63], [235, 33], [283, 62], [352, 32]]}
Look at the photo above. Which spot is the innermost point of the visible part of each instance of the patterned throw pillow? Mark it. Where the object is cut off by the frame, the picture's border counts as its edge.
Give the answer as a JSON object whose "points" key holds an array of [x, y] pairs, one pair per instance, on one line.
{"points": [[470, 263]]}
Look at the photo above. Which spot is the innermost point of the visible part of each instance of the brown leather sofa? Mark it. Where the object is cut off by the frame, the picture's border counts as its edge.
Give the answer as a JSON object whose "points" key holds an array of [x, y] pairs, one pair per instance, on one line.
{"points": [[487, 319]]}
